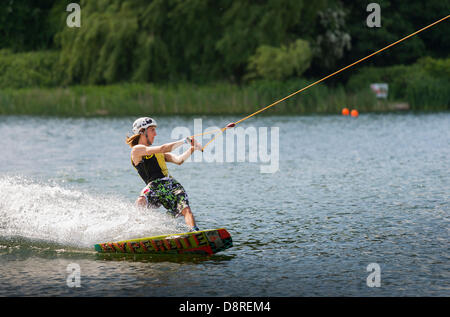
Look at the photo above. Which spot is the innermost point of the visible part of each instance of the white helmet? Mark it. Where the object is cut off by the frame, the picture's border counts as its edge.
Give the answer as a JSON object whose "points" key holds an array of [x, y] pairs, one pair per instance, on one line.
{"points": [[143, 123]]}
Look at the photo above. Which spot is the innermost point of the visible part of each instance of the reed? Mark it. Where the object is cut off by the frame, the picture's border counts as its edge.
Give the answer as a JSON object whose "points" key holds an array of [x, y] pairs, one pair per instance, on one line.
{"points": [[190, 99]]}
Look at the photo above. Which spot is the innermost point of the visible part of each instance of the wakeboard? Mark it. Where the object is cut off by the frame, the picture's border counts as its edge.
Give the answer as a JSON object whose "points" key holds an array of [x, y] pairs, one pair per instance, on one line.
{"points": [[204, 242]]}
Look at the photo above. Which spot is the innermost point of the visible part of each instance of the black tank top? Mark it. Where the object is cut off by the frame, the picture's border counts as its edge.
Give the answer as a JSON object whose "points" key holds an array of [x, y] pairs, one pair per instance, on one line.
{"points": [[152, 167]]}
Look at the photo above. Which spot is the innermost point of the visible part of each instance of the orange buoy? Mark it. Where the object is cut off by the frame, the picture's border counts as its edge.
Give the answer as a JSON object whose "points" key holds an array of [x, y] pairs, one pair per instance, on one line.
{"points": [[354, 113], [345, 112]]}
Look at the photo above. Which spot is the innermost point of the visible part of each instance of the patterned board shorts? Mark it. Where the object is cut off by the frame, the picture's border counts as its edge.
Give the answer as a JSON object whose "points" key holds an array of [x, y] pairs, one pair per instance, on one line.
{"points": [[167, 192]]}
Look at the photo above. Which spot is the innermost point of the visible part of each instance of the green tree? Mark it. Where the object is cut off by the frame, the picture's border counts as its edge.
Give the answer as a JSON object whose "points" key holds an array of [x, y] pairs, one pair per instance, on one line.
{"points": [[27, 25], [251, 24], [186, 31], [280, 63], [332, 40], [100, 52], [143, 41], [398, 19], [436, 67]]}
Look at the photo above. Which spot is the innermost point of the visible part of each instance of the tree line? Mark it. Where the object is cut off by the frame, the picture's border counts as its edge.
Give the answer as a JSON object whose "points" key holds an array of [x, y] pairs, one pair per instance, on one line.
{"points": [[204, 41]]}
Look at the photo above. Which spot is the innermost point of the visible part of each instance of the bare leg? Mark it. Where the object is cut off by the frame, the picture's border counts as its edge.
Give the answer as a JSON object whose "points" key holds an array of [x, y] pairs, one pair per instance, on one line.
{"points": [[186, 212], [141, 202], [188, 217]]}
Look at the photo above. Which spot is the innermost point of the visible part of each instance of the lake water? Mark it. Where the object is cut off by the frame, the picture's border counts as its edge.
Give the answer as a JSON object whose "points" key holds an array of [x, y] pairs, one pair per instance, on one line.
{"points": [[349, 192]]}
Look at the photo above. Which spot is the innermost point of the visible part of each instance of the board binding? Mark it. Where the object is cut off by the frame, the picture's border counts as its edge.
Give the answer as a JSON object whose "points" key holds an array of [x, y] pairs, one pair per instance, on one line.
{"points": [[206, 242]]}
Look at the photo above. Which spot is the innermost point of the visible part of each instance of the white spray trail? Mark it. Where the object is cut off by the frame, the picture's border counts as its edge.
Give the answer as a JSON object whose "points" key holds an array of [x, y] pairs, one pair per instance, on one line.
{"points": [[74, 218]]}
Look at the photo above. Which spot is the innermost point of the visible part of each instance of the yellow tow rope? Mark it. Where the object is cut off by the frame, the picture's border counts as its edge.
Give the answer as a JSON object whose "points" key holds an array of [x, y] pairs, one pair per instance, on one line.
{"points": [[315, 83]]}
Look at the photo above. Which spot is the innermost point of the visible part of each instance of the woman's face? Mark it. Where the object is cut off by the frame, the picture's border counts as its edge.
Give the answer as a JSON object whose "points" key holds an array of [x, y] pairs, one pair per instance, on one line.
{"points": [[151, 133]]}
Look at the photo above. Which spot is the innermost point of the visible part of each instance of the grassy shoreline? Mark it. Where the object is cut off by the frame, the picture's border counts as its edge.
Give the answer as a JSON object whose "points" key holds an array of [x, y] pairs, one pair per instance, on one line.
{"points": [[186, 99]]}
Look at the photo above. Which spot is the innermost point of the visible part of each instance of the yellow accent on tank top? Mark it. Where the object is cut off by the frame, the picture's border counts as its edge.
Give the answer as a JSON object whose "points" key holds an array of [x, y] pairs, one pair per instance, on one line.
{"points": [[161, 162]]}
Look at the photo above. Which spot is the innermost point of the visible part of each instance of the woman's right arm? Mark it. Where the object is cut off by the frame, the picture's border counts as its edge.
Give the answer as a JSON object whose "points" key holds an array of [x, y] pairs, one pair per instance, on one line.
{"points": [[141, 150]]}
